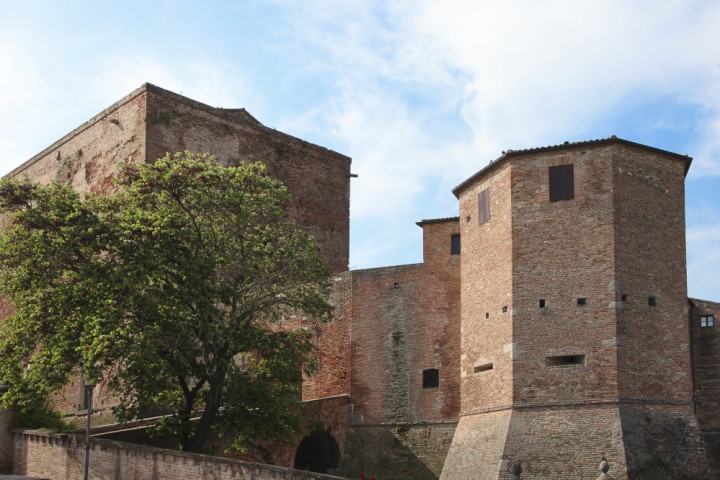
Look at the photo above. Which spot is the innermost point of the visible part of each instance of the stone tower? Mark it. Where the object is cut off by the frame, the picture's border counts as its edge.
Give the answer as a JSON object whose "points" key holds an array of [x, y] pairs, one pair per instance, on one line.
{"points": [[575, 333]]}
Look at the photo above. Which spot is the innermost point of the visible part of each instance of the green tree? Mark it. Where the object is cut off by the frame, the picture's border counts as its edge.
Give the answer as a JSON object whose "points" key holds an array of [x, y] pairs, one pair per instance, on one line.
{"points": [[175, 290]]}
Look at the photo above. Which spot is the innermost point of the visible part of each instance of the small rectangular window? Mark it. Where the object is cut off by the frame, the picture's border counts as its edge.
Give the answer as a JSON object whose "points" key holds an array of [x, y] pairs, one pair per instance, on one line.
{"points": [[581, 302], [707, 321], [560, 360], [431, 378], [652, 301], [455, 244], [562, 182], [484, 206], [542, 303], [483, 368]]}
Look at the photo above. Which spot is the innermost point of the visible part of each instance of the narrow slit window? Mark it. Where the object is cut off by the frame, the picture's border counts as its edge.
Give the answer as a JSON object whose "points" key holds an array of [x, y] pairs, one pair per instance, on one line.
{"points": [[562, 360], [455, 244], [483, 368], [484, 206], [541, 303], [707, 321], [431, 378], [562, 182]]}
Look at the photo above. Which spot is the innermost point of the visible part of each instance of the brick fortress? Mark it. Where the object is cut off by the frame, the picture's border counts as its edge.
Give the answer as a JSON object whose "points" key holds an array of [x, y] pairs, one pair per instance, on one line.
{"points": [[547, 328]]}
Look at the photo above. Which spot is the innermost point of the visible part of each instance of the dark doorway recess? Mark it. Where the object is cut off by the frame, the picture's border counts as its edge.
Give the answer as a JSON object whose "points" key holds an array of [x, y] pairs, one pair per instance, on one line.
{"points": [[318, 452]]}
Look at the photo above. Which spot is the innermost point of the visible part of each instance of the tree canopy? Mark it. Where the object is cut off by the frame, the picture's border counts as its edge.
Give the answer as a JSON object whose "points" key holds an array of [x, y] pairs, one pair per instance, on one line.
{"points": [[176, 290]]}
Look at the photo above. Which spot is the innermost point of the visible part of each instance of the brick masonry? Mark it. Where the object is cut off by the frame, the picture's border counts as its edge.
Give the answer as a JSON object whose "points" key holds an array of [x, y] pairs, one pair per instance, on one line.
{"points": [[580, 306], [61, 457], [530, 377]]}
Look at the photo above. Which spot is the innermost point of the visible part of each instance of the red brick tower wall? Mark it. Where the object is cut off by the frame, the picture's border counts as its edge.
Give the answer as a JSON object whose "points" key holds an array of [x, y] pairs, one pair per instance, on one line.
{"points": [[487, 348], [650, 251], [486, 296], [582, 378], [562, 252]]}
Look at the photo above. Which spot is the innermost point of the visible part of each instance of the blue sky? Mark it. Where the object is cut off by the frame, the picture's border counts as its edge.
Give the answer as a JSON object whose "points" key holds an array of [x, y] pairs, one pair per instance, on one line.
{"points": [[420, 93]]}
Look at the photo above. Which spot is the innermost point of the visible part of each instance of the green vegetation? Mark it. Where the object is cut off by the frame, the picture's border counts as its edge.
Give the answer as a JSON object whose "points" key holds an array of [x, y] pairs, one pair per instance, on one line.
{"points": [[173, 291]]}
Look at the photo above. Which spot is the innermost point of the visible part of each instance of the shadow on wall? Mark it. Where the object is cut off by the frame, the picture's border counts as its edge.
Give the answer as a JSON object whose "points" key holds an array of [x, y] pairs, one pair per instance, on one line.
{"points": [[388, 452]]}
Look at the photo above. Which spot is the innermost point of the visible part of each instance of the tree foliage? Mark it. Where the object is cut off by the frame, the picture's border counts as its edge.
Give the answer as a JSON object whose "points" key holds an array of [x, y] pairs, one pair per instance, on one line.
{"points": [[174, 290]]}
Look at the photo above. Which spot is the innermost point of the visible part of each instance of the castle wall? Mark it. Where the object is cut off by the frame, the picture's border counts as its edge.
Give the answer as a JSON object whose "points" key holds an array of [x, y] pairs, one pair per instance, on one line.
{"points": [[61, 457], [151, 121], [486, 365], [317, 178], [88, 158], [653, 355], [564, 442], [399, 451], [562, 252], [333, 342], [706, 352], [400, 328]]}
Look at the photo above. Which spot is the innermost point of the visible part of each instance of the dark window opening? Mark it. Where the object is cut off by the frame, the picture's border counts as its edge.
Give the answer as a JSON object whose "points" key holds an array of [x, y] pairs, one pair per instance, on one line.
{"points": [[504, 309], [562, 182], [483, 206], [707, 321], [652, 301], [483, 368], [455, 245], [318, 452], [82, 394], [560, 360], [581, 302], [487, 314], [624, 297], [542, 303], [431, 378]]}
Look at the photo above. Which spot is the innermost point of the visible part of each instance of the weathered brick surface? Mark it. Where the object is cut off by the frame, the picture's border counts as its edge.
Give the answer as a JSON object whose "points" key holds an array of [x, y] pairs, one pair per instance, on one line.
{"points": [[151, 121], [486, 295], [476, 317], [333, 342], [616, 244], [61, 457], [398, 451], [405, 321], [318, 178], [653, 357], [706, 353]]}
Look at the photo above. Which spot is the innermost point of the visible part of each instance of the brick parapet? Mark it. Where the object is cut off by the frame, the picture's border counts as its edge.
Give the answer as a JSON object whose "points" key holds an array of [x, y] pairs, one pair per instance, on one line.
{"points": [[60, 457]]}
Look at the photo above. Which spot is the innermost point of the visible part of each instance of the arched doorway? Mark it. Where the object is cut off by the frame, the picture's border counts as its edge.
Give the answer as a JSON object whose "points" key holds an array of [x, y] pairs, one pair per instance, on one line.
{"points": [[318, 452]]}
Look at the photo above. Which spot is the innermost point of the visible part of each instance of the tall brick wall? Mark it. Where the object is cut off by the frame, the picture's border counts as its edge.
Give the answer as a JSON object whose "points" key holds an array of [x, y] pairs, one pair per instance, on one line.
{"points": [[333, 342], [563, 251], [318, 178], [405, 322], [653, 356], [486, 296], [151, 121]]}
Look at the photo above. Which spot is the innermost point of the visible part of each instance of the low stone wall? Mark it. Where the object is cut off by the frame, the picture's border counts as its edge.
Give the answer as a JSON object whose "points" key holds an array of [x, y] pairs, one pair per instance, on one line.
{"points": [[61, 457]]}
